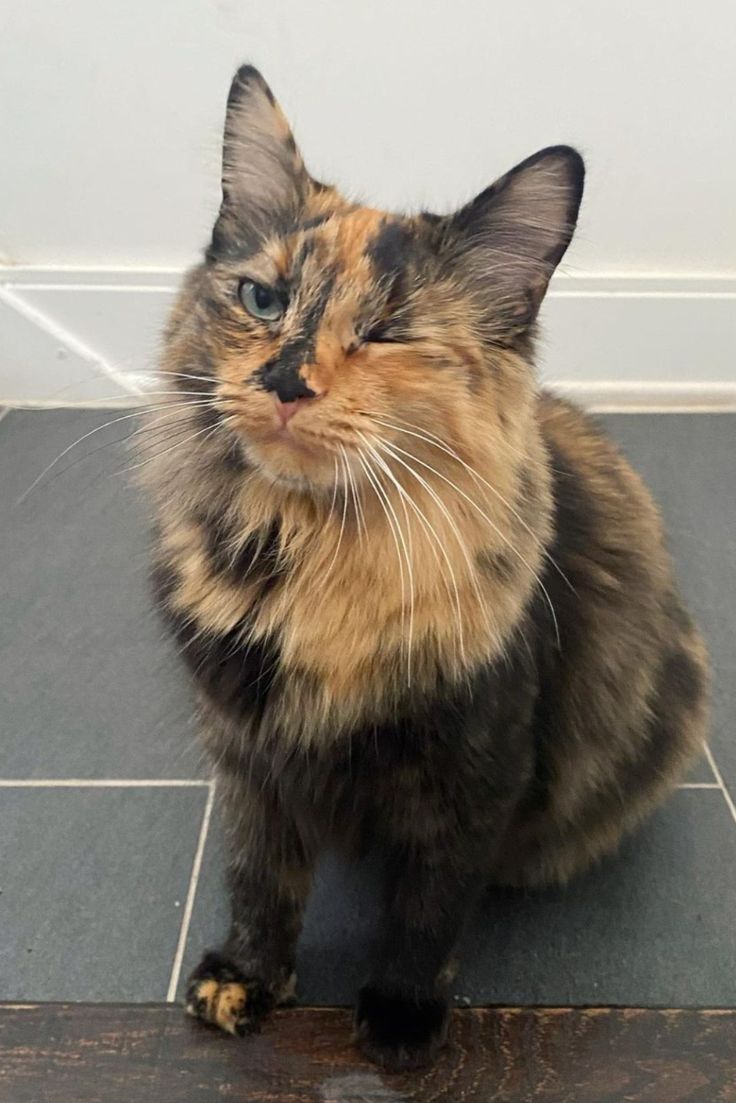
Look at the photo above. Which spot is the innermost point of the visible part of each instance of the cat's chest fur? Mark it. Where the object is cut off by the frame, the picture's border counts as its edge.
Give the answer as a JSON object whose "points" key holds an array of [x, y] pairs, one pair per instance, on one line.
{"points": [[329, 632]]}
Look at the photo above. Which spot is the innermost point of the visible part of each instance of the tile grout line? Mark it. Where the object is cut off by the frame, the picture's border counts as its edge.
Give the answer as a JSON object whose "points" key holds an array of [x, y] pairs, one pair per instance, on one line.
{"points": [[721, 783], [102, 783], [186, 918]]}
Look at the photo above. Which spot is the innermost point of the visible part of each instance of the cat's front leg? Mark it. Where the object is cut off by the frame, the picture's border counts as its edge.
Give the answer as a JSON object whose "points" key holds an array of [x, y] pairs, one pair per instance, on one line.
{"points": [[270, 875], [402, 1013]]}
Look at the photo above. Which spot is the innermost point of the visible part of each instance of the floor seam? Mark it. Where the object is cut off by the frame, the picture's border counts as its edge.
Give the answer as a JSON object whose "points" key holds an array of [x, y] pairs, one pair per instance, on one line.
{"points": [[186, 918], [721, 783]]}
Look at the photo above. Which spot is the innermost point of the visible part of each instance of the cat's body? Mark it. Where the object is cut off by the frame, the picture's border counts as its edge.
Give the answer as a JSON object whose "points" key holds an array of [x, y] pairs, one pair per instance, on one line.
{"points": [[428, 611]]}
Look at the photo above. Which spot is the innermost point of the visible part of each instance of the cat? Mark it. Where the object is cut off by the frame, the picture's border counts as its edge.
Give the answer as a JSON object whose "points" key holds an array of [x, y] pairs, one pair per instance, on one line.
{"points": [[427, 608]]}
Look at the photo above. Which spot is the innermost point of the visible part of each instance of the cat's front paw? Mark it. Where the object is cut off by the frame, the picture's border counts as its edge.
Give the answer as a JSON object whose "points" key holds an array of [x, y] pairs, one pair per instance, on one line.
{"points": [[398, 1032], [220, 994]]}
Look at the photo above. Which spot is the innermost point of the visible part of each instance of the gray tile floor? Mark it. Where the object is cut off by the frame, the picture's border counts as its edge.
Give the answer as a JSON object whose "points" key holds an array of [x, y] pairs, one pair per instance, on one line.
{"points": [[110, 848]]}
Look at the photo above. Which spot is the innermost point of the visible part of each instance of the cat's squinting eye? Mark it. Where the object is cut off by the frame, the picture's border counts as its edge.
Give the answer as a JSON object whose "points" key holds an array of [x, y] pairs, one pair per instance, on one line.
{"points": [[262, 302]]}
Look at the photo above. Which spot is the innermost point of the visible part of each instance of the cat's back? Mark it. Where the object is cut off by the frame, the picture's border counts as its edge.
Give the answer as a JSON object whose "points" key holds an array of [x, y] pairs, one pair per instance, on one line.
{"points": [[625, 691], [613, 578], [598, 493]]}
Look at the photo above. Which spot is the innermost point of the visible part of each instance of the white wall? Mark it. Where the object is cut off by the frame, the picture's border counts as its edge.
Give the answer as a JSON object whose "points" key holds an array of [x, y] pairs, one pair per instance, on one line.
{"points": [[110, 127]]}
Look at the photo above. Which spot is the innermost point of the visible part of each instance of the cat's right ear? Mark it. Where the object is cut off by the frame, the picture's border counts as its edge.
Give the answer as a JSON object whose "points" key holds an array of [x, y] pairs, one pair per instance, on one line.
{"points": [[507, 242], [264, 181]]}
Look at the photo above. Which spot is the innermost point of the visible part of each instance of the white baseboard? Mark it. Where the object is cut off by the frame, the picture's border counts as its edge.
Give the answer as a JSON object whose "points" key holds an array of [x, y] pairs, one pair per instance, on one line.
{"points": [[89, 337], [651, 397]]}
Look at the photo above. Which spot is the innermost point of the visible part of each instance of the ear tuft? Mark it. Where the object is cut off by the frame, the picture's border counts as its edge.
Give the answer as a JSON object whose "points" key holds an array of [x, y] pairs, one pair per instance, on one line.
{"points": [[264, 181], [508, 241]]}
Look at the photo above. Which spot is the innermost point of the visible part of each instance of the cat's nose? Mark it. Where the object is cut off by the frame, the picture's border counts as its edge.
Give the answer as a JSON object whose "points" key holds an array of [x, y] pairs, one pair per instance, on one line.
{"points": [[286, 410]]}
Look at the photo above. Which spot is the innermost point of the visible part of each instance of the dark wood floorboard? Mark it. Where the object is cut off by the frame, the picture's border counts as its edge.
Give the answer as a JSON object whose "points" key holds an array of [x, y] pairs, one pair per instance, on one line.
{"points": [[83, 1053]]}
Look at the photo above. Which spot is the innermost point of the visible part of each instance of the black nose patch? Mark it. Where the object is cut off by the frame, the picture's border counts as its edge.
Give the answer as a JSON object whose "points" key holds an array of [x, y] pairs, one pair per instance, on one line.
{"points": [[281, 374]]}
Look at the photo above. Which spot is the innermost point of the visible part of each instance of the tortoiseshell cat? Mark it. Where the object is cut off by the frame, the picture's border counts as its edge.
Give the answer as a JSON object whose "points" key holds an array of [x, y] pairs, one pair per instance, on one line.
{"points": [[427, 609]]}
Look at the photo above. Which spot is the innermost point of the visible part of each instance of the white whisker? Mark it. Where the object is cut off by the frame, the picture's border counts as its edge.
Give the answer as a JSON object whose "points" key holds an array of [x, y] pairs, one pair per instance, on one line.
{"points": [[86, 436], [168, 418], [334, 494], [209, 429], [124, 440], [156, 435], [472, 572], [357, 505], [406, 548], [381, 495], [496, 529], [164, 372], [437, 442], [178, 393], [428, 529], [342, 530]]}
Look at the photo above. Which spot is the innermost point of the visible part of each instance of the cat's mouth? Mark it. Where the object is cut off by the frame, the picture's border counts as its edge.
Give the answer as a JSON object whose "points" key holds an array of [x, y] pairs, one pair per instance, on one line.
{"points": [[293, 458], [284, 437], [299, 450]]}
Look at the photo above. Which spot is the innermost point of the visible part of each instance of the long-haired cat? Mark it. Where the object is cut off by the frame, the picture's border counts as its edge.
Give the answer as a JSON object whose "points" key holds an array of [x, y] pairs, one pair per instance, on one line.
{"points": [[428, 609]]}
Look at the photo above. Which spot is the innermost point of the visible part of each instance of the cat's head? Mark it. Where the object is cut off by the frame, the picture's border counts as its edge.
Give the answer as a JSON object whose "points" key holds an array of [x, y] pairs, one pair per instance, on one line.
{"points": [[327, 323]]}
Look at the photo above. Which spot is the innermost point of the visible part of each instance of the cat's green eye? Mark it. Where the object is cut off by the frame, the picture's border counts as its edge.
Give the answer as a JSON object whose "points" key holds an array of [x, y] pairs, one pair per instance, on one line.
{"points": [[262, 302]]}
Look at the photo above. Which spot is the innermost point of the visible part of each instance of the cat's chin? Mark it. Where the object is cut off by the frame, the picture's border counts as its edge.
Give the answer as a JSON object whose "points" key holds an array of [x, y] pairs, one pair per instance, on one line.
{"points": [[298, 483], [294, 466], [278, 475]]}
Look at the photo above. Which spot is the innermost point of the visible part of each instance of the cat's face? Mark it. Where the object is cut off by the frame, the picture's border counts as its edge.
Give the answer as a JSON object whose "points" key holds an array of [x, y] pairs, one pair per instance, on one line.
{"points": [[331, 328]]}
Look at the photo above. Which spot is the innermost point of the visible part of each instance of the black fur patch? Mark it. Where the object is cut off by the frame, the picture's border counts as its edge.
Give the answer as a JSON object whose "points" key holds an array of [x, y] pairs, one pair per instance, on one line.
{"points": [[214, 966], [681, 678], [392, 252], [389, 250], [399, 1032], [302, 255], [311, 316], [236, 672], [280, 375], [402, 256], [257, 558], [498, 564]]}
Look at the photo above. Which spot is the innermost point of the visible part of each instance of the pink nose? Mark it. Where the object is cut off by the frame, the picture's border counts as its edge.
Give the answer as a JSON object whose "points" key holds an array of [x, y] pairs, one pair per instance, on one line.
{"points": [[286, 410]]}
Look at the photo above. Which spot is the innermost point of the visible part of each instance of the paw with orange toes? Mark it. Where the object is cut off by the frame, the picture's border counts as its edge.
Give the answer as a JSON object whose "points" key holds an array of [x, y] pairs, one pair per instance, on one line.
{"points": [[220, 994]]}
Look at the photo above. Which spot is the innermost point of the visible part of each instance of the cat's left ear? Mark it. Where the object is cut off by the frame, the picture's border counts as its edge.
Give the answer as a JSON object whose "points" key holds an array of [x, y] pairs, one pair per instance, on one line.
{"points": [[508, 241], [264, 181]]}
